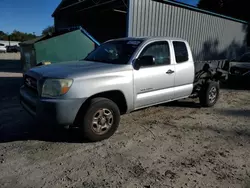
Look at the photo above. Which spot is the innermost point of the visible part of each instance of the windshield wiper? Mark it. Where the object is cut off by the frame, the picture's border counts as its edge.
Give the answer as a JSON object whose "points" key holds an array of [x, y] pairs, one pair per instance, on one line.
{"points": [[97, 60], [103, 61]]}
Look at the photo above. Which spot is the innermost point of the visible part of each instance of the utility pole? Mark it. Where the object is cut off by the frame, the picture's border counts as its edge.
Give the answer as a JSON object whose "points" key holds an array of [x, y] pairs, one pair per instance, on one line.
{"points": [[9, 39], [8, 34]]}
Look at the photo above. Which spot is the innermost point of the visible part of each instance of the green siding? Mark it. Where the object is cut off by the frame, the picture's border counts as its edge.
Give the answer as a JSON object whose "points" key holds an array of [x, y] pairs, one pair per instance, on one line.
{"points": [[71, 46]]}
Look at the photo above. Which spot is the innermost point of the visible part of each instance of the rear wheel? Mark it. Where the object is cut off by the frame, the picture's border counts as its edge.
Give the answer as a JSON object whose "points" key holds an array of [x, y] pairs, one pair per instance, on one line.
{"points": [[101, 119], [209, 94]]}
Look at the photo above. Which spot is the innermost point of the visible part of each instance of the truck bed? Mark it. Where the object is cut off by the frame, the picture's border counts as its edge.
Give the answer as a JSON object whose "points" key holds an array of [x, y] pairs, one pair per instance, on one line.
{"points": [[214, 64]]}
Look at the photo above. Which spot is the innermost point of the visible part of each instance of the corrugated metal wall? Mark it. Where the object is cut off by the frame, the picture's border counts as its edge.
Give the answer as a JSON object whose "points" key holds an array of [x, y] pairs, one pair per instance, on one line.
{"points": [[209, 36]]}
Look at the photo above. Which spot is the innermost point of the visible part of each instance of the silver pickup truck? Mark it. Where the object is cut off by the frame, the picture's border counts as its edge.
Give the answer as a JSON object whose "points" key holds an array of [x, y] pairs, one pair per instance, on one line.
{"points": [[118, 77]]}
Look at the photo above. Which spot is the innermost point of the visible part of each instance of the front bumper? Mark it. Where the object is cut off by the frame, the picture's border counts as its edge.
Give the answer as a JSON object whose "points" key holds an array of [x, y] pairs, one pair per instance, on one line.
{"points": [[52, 111]]}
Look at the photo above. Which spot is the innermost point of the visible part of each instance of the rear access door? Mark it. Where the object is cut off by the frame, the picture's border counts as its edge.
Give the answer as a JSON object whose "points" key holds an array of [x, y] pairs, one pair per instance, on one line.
{"points": [[184, 70]]}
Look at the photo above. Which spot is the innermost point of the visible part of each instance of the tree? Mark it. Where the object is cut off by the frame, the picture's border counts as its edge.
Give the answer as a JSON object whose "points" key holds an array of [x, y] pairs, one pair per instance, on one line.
{"points": [[16, 36], [48, 30], [20, 36], [233, 8], [3, 36], [211, 5]]}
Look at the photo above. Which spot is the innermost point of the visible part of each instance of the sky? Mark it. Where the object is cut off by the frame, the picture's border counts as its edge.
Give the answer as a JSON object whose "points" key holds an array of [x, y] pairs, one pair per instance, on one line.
{"points": [[32, 15], [190, 2], [26, 15]]}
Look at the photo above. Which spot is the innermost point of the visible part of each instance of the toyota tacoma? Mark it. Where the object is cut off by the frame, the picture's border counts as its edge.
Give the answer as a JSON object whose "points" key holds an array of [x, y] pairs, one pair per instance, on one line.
{"points": [[118, 77]]}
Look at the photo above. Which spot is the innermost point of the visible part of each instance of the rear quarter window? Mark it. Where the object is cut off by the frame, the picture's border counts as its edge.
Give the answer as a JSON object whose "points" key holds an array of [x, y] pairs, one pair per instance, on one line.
{"points": [[181, 52]]}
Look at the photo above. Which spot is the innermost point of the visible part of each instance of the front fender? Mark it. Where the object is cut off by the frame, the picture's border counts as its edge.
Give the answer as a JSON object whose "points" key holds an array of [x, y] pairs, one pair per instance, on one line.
{"points": [[86, 87]]}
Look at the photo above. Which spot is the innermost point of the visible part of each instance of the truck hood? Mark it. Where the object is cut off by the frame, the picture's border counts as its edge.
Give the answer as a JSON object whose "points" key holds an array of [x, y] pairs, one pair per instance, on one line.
{"points": [[75, 69], [245, 65]]}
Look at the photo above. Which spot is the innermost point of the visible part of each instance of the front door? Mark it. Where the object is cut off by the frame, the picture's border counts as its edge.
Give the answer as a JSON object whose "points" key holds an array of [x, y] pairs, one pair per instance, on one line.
{"points": [[155, 83]]}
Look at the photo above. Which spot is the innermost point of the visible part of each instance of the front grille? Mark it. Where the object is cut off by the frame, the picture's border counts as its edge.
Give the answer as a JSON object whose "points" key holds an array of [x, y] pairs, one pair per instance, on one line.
{"points": [[30, 82]]}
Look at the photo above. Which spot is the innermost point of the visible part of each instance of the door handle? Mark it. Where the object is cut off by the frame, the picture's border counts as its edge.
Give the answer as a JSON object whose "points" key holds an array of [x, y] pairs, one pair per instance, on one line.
{"points": [[170, 71]]}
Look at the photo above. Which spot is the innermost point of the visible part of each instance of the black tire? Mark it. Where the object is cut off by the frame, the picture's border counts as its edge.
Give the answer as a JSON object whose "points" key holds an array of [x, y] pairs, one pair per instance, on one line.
{"points": [[88, 126], [231, 82], [205, 94]]}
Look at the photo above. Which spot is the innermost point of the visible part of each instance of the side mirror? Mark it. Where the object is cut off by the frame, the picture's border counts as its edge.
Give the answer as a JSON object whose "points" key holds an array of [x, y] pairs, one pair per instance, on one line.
{"points": [[144, 61]]}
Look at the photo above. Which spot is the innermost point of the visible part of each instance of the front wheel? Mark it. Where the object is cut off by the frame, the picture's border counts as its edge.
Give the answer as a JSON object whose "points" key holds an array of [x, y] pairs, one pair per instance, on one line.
{"points": [[209, 94], [101, 119]]}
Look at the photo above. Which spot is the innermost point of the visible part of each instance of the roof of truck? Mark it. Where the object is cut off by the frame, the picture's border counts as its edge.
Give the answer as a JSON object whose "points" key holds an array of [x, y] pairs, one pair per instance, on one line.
{"points": [[149, 38]]}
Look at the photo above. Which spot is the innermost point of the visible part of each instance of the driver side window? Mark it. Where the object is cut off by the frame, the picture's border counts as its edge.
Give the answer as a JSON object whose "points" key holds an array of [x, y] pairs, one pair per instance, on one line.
{"points": [[160, 51]]}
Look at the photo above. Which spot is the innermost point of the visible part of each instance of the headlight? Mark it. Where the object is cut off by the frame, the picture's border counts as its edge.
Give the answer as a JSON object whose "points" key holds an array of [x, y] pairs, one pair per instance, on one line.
{"points": [[56, 87]]}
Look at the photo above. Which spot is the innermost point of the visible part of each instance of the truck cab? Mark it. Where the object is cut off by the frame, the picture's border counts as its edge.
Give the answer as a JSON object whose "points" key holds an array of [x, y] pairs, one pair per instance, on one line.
{"points": [[168, 75]]}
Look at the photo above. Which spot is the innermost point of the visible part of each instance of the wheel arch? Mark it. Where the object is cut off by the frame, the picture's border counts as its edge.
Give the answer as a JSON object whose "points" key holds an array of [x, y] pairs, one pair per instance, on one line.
{"points": [[116, 96]]}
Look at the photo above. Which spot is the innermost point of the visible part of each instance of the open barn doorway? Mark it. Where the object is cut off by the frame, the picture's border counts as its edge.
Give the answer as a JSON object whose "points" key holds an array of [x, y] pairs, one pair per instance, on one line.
{"points": [[104, 19]]}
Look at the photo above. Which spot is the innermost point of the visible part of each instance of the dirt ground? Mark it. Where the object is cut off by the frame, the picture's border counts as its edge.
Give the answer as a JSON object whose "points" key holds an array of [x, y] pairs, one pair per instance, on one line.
{"points": [[172, 145]]}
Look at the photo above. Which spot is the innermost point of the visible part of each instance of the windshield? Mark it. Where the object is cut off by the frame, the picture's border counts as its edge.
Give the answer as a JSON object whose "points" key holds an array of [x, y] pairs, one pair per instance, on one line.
{"points": [[245, 58], [116, 52]]}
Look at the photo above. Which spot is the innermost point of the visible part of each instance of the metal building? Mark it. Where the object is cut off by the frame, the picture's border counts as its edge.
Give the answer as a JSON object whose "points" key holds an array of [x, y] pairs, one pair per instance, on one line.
{"points": [[211, 36]]}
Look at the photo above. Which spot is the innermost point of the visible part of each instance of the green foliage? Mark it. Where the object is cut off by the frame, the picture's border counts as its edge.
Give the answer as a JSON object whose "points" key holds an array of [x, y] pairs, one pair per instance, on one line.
{"points": [[234, 8], [3, 36], [48, 30], [17, 36], [20, 36]]}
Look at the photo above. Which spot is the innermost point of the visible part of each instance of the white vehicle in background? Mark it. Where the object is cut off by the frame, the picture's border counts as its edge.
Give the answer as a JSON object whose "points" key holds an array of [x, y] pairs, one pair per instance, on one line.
{"points": [[2, 48]]}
